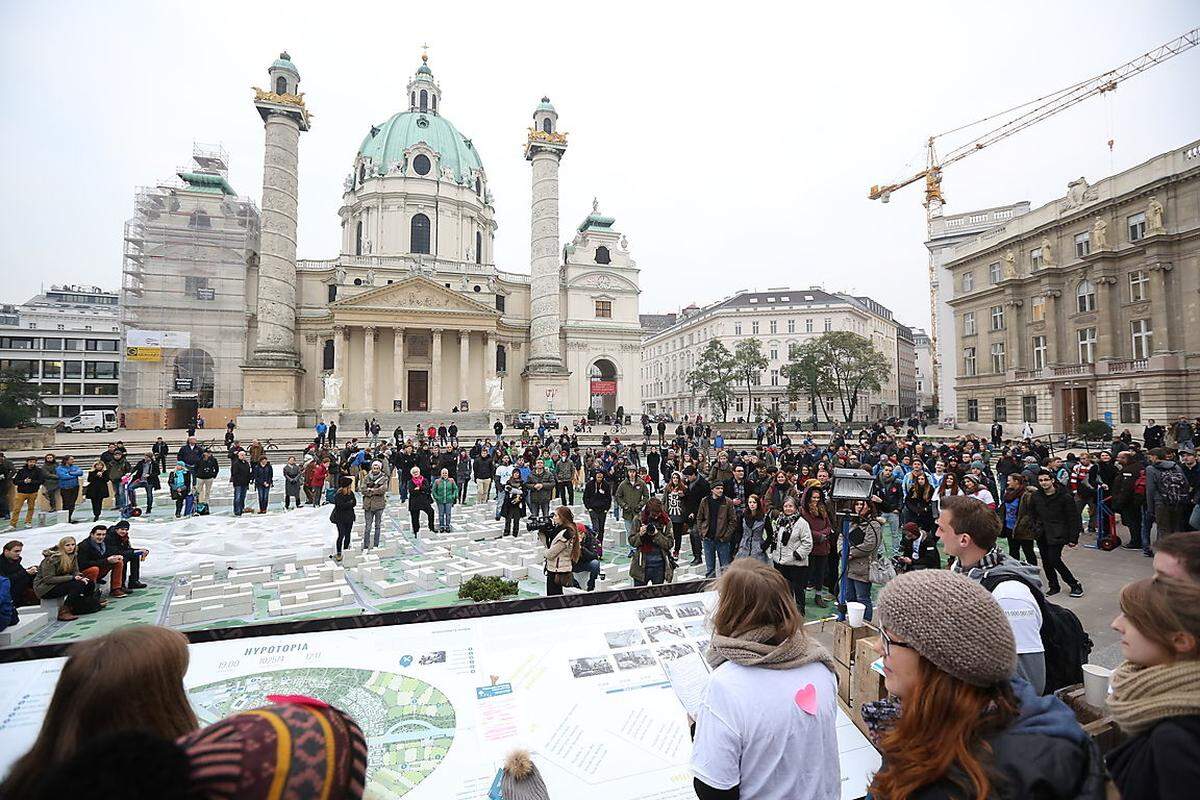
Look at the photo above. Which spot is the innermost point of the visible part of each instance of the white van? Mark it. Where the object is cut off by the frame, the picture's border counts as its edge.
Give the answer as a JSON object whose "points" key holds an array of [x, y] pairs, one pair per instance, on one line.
{"points": [[93, 421]]}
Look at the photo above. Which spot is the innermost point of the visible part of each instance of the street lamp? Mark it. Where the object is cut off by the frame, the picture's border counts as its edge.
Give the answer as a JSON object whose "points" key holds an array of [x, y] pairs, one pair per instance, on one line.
{"points": [[849, 485]]}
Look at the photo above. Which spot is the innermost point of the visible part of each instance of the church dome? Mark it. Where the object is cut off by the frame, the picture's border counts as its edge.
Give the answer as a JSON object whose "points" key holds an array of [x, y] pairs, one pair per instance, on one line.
{"points": [[386, 143]]}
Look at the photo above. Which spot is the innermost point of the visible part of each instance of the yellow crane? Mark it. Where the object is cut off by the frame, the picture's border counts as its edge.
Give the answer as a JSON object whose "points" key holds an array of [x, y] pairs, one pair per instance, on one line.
{"points": [[1031, 113]]}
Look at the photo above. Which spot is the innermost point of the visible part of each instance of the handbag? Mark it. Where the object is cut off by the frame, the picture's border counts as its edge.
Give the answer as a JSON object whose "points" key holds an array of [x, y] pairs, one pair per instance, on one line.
{"points": [[882, 570], [563, 578]]}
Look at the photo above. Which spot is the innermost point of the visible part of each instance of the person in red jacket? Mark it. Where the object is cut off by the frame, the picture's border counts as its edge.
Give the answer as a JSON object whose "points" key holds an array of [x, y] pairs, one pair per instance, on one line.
{"points": [[316, 483]]}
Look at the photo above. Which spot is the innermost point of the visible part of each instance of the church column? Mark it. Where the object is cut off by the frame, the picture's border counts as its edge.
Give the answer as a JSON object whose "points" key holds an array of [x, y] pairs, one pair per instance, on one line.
{"points": [[399, 373], [464, 364], [435, 372], [489, 355], [341, 345], [370, 334]]}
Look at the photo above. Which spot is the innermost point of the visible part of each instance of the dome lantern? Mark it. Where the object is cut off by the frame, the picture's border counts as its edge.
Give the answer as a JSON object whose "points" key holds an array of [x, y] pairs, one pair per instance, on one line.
{"points": [[424, 94], [545, 118], [285, 78]]}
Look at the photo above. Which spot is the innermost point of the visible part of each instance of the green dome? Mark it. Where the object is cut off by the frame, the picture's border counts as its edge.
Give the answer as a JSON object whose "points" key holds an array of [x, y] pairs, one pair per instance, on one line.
{"points": [[285, 62], [386, 143]]}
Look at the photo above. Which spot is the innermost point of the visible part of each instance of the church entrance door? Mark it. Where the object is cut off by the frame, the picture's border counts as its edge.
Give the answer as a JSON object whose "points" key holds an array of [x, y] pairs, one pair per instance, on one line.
{"points": [[418, 390]]}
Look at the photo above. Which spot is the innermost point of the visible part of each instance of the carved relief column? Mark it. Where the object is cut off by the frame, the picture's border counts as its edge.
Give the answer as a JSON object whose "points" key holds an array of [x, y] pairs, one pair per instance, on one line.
{"points": [[464, 364], [1160, 315], [399, 373], [370, 335], [341, 345], [435, 372]]}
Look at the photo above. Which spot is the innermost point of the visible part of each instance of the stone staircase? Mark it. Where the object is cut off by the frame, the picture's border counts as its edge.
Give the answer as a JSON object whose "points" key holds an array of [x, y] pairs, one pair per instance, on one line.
{"points": [[350, 423]]}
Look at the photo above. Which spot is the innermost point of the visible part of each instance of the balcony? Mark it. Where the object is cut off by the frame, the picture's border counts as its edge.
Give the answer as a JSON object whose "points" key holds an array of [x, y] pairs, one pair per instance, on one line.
{"points": [[1126, 365], [1073, 370]]}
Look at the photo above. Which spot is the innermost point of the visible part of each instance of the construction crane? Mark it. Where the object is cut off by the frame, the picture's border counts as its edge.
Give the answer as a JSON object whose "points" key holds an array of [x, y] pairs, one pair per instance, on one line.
{"points": [[1032, 113]]}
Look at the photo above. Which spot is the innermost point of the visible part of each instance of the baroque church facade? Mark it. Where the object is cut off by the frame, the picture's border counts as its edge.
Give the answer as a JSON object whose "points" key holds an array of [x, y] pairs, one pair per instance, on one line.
{"points": [[414, 315]]}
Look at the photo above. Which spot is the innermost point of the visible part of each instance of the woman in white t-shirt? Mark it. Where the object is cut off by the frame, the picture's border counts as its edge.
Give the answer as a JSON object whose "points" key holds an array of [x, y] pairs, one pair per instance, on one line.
{"points": [[974, 487], [767, 724]]}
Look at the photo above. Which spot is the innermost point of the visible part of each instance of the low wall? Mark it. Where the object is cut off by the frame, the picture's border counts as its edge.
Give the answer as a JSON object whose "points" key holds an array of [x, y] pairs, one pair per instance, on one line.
{"points": [[39, 438]]}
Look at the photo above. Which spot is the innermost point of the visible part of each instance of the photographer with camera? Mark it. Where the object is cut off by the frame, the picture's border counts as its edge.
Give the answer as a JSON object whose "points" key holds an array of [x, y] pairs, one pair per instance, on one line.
{"points": [[652, 540], [563, 552]]}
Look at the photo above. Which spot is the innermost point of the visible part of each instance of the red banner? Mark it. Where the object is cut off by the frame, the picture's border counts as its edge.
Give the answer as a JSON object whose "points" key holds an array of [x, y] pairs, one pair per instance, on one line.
{"points": [[604, 387]]}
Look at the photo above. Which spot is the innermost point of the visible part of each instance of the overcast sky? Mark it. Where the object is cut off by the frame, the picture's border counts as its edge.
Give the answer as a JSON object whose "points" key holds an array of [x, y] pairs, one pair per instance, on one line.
{"points": [[734, 143]]}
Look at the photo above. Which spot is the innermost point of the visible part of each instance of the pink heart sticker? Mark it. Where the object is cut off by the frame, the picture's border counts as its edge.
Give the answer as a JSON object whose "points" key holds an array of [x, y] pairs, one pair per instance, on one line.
{"points": [[806, 698]]}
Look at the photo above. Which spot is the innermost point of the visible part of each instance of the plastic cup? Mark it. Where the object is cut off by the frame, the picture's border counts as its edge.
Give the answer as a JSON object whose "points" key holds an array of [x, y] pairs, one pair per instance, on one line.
{"points": [[854, 614], [1095, 684]]}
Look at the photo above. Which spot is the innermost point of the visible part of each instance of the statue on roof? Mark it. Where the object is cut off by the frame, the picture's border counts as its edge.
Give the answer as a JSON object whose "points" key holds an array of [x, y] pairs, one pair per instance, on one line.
{"points": [[595, 205]]}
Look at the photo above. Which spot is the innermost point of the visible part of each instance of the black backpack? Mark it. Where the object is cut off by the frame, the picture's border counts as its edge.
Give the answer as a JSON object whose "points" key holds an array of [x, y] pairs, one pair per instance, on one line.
{"points": [[1064, 640]]}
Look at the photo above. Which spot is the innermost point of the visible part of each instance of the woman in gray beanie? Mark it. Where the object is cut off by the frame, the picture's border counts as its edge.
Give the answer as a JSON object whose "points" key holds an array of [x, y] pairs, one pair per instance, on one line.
{"points": [[962, 727]]}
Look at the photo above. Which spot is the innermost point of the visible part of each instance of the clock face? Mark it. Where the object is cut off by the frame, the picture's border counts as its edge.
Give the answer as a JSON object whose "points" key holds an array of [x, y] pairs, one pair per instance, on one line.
{"points": [[421, 164]]}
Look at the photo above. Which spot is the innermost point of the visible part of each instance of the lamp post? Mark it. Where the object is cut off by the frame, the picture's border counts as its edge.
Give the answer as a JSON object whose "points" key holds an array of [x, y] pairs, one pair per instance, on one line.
{"points": [[848, 485]]}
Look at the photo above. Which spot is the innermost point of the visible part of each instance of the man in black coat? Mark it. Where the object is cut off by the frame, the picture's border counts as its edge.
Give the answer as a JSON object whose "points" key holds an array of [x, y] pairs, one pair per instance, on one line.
{"points": [[190, 452], [1058, 523], [95, 560], [117, 543], [160, 450], [239, 476], [698, 489], [652, 464]]}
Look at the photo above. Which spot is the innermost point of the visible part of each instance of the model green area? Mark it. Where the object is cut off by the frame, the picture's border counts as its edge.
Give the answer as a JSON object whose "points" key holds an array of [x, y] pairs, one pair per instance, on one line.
{"points": [[409, 724]]}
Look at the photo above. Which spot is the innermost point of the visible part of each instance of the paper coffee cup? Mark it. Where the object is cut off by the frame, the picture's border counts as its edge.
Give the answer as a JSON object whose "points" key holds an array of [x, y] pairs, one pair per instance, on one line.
{"points": [[1095, 685], [854, 614]]}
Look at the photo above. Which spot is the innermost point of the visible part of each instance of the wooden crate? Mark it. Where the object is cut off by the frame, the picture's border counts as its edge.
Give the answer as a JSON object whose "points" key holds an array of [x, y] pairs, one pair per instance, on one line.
{"points": [[844, 682], [1106, 733], [845, 639], [867, 684]]}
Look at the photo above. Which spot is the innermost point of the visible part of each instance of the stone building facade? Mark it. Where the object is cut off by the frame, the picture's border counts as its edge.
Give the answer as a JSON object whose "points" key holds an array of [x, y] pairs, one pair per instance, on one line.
{"points": [[1085, 308]]}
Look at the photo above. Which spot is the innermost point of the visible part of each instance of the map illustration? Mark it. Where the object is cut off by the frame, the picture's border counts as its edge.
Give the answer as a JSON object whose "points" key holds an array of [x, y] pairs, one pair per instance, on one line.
{"points": [[408, 723]]}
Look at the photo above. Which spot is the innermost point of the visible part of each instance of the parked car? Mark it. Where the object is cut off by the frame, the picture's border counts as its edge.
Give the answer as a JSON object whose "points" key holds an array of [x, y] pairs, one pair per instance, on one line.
{"points": [[550, 420], [524, 421]]}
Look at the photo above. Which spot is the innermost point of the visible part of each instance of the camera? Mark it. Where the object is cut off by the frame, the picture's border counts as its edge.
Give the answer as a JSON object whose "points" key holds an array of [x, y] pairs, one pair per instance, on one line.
{"points": [[543, 525]]}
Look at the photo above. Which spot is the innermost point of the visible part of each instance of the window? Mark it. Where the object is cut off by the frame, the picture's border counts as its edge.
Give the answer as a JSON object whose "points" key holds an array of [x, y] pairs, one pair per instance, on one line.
{"points": [[737, 329], [358, 238], [331, 291], [968, 361], [1130, 406], [72, 369], [52, 369], [52, 343], [774, 353], [100, 369], [968, 281], [72, 389], [1035, 258], [99, 390], [478, 247], [199, 219], [972, 410], [327, 354], [968, 323], [1086, 338], [791, 326], [419, 232], [774, 377], [773, 326], [604, 309], [101, 345], [997, 314], [501, 358], [1143, 338], [72, 344], [197, 287], [281, 85], [997, 357], [1000, 409], [739, 405], [1029, 408], [602, 255], [994, 272], [1083, 244], [754, 328], [500, 303], [424, 103], [808, 326], [421, 164], [1085, 296], [16, 342], [1039, 352], [1037, 307], [546, 125], [1137, 226], [1139, 286], [828, 324]]}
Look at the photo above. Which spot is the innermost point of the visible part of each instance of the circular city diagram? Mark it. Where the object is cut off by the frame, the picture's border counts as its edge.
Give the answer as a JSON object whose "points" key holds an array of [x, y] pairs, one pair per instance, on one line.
{"points": [[408, 724]]}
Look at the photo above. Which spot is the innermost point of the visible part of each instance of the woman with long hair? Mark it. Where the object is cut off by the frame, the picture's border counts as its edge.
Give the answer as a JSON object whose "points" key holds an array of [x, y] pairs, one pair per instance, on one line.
{"points": [[651, 542], [1156, 692], [866, 533], [918, 503], [1015, 516], [815, 512], [96, 488], [766, 726], [757, 530], [961, 726], [343, 515], [124, 681], [58, 576], [672, 499], [564, 550], [949, 487]]}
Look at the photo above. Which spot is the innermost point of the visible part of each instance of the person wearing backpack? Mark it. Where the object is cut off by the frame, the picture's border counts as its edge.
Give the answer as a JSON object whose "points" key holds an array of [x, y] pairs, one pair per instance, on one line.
{"points": [[1057, 521], [1167, 493]]}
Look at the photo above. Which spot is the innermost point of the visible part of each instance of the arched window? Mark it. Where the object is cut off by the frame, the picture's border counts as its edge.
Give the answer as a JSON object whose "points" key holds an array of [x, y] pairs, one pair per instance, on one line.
{"points": [[478, 247], [602, 256], [478, 187], [501, 358], [199, 219], [434, 102], [281, 85], [196, 367], [419, 236], [362, 174], [1085, 296], [327, 355], [413, 101], [358, 238], [424, 100], [421, 164], [547, 125]]}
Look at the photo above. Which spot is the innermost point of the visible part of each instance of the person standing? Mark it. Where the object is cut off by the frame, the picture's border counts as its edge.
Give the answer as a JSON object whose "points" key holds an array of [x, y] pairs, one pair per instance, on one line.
{"points": [[512, 498], [342, 515], [631, 496], [757, 530], [462, 475], [27, 482], [160, 451], [97, 487], [240, 476], [68, 485], [50, 481], [541, 490], [1057, 517], [333, 435], [1167, 493], [1016, 518], [788, 548], [484, 469], [445, 493], [566, 546], [866, 537], [316, 482], [651, 543], [374, 492], [715, 521], [263, 476], [420, 500], [292, 479], [180, 485], [597, 499]]}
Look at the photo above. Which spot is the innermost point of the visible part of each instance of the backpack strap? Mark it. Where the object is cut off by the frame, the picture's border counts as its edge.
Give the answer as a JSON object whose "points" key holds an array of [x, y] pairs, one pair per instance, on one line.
{"points": [[991, 580]]}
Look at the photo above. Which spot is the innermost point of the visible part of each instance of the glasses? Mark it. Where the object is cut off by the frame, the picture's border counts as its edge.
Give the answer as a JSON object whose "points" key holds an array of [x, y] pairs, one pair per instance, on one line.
{"points": [[889, 641]]}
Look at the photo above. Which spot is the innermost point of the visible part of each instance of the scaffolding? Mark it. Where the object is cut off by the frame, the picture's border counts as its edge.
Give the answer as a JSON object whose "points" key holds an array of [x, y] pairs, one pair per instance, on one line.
{"points": [[189, 253]]}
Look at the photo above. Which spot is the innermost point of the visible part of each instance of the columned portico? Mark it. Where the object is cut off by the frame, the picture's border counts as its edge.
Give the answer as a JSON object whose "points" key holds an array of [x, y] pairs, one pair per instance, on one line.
{"points": [[399, 372], [435, 379], [370, 334]]}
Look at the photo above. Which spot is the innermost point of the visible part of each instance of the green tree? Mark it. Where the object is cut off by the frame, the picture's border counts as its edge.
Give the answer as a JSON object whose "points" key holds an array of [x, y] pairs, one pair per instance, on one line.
{"points": [[806, 376], [714, 375], [852, 366], [750, 363], [19, 401]]}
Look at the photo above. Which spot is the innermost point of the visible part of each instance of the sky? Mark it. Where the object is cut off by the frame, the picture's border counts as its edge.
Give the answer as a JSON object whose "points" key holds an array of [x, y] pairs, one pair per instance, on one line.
{"points": [[734, 144]]}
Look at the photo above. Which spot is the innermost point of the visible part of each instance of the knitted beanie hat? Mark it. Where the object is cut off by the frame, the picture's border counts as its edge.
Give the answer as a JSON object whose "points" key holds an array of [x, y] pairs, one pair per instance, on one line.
{"points": [[952, 621], [521, 780]]}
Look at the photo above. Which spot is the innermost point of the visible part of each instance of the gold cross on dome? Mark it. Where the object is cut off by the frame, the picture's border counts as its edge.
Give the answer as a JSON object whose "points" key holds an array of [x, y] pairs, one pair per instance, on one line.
{"points": [[425, 52]]}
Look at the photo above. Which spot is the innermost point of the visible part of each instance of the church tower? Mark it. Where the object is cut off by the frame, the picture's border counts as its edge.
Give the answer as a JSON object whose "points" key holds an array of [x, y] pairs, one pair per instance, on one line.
{"points": [[545, 373], [271, 378]]}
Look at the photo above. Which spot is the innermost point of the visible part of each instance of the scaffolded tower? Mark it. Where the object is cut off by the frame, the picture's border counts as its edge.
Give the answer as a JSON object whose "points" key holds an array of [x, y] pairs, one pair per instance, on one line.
{"points": [[189, 250]]}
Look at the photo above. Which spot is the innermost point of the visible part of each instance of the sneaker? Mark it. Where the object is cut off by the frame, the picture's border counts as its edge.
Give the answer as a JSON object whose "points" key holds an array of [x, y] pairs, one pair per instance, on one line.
{"points": [[694, 562], [1053, 591], [1148, 552], [65, 615], [136, 585], [1131, 546], [1076, 590]]}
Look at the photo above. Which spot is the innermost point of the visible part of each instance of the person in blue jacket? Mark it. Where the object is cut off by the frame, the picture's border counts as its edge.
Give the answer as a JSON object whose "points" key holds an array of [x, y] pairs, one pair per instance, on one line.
{"points": [[263, 475], [68, 485]]}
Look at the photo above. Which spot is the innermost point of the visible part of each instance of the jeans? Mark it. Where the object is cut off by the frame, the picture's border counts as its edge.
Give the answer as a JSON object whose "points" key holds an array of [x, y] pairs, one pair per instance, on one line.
{"points": [[893, 522], [69, 496], [370, 518], [1147, 524], [239, 499], [1053, 564], [858, 592], [593, 569], [443, 516], [499, 500], [462, 491], [539, 508], [263, 493], [656, 572], [51, 498], [403, 493], [816, 573], [566, 493], [630, 527], [131, 492], [716, 552]]}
